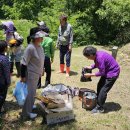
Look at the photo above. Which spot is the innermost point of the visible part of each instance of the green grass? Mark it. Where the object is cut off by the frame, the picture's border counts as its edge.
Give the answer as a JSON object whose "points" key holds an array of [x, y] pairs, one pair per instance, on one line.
{"points": [[118, 102]]}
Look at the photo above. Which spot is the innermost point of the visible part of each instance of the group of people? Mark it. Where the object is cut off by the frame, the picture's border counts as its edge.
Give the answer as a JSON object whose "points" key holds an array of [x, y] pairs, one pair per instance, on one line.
{"points": [[38, 56]]}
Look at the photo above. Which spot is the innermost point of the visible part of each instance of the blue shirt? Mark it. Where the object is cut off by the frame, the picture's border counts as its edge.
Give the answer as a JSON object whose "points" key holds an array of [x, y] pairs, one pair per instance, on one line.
{"points": [[4, 70]]}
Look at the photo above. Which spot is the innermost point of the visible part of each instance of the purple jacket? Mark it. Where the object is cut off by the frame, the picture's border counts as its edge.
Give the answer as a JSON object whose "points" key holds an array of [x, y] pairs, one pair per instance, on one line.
{"points": [[107, 65]]}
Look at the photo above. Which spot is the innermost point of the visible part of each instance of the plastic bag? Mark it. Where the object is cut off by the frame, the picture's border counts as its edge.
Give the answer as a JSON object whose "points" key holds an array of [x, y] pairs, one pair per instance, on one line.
{"points": [[20, 93]]}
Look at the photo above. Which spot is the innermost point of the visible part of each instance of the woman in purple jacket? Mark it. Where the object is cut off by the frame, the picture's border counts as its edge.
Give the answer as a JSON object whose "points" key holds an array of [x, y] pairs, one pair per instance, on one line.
{"points": [[109, 71]]}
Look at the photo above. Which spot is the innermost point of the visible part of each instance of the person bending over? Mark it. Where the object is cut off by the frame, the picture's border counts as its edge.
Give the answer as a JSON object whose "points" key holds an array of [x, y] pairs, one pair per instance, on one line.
{"points": [[109, 71]]}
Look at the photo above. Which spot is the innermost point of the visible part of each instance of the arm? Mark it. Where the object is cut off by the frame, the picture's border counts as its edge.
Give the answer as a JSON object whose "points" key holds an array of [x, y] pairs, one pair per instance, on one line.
{"points": [[57, 43], [71, 39], [93, 66], [71, 36], [26, 58], [101, 68]]}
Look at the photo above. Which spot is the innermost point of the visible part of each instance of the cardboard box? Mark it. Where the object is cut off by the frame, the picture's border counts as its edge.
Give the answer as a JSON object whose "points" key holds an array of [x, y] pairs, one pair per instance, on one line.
{"points": [[57, 115]]}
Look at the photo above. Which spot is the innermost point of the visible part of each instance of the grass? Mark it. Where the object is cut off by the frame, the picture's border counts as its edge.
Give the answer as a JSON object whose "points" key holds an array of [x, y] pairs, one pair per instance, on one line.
{"points": [[117, 106]]}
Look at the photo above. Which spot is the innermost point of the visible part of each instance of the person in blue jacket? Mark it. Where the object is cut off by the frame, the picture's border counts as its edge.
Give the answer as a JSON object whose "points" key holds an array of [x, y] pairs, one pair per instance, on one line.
{"points": [[4, 73]]}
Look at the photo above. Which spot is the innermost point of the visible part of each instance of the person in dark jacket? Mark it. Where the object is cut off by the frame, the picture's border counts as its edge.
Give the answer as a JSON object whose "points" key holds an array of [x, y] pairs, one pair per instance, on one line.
{"points": [[4, 73]]}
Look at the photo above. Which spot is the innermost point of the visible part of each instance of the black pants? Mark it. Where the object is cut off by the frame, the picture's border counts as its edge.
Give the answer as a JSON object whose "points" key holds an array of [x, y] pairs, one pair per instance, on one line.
{"points": [[3, 93], [47, 66], [18, 67], [64, 50], [103, 87]]}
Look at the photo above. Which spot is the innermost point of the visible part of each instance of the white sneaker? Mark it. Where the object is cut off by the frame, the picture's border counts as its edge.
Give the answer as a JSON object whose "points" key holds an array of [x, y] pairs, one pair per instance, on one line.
{"points": [[32, 115]]}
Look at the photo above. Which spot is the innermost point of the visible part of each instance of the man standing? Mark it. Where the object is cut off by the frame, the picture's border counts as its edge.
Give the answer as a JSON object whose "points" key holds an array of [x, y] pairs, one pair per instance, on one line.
{"points": [[64, 43]]}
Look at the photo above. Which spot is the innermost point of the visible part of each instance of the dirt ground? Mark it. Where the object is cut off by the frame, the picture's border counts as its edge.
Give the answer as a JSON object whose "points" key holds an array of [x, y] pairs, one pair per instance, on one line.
{"points": [[116, 116]]}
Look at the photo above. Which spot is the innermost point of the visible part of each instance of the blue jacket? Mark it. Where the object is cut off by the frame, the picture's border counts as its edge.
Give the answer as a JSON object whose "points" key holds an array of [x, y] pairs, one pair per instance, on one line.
{"points": [[4, 71]]}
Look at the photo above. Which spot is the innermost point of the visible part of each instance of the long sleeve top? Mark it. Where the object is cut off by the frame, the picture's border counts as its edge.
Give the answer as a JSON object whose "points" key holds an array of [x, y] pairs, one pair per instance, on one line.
{"points": [[33, 59], [48, 47], [65, 35], [5, 78], [107, 65]]}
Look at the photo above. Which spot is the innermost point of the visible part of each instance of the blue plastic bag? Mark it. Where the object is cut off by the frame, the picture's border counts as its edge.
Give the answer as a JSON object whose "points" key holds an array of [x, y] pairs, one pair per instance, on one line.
{"points": [[20, 93]]}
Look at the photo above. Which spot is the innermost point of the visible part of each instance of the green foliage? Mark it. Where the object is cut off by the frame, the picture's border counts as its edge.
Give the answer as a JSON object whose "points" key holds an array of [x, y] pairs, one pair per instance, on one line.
{"points": [[116, 13], [93, 21]]}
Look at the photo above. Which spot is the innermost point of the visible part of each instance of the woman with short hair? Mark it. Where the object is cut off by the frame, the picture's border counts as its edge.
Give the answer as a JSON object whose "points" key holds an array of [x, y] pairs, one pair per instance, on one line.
{"points": [[109, 71]]}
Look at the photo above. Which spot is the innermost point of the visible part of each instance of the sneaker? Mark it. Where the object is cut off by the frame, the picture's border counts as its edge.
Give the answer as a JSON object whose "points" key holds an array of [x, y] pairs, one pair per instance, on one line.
{"points": [[32, 115], [97, 110]]}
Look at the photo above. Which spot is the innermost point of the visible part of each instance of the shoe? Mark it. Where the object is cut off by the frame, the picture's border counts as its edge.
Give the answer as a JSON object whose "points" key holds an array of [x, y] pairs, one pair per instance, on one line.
{"points": [[97, 109], [67, 71], [32, 115]]}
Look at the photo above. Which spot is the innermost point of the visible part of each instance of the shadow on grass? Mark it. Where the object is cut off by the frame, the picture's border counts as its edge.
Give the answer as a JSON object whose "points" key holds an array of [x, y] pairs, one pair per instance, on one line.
{"points": [[67, 125], [73, 73], [111, 106], [11, 105]]}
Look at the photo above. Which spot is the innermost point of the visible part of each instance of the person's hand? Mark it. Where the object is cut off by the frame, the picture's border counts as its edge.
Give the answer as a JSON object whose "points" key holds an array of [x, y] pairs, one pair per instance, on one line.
{"points": [[88, 67], [43, 72], [51, 61], [23, 80], [70, 47], [57, 46], [87, 75]]}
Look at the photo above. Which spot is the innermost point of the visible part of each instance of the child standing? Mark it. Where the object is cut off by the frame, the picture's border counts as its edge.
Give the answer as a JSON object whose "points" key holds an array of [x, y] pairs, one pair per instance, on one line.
{"points": [[4, 73]]}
